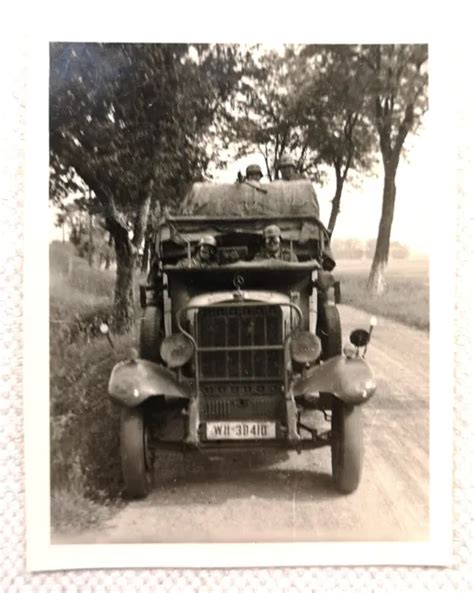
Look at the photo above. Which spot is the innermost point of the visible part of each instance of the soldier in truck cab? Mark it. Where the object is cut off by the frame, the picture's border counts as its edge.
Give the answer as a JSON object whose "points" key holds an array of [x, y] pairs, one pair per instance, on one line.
{"points": [[272, 246], [205, 255]]}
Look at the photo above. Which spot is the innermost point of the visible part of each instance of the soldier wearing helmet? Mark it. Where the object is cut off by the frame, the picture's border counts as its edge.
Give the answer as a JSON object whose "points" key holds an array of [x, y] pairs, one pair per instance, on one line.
{"points": [[272, 246], [287, 168], [205, 255], [253, 173]]}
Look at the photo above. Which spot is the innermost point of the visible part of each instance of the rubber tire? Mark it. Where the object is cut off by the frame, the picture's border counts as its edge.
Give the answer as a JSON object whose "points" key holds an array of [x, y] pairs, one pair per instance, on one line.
{"points": [[151, 334], [346, 446], [135, 458], [329, 331]]}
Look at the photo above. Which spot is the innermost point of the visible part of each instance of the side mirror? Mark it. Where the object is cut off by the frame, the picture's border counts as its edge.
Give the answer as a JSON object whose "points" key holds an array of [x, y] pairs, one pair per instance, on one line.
{"points": [[361, 337]]}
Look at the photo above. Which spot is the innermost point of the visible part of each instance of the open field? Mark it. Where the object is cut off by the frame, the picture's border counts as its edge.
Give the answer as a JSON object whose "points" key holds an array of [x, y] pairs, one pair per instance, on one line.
{"points": [[407, 295]]}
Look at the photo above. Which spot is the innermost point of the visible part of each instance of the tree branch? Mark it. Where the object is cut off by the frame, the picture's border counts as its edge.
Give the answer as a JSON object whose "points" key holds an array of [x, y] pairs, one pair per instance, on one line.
{"points": [[267, 164], [405, 127], [302, 156], [115, 221]]}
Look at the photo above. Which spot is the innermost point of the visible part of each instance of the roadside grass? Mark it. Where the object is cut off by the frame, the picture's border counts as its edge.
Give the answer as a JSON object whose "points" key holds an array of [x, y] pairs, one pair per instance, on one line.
{"points": [[84, 425], [80, 297], [85, 462], [406, 298], [72, 511], [77, 274]]}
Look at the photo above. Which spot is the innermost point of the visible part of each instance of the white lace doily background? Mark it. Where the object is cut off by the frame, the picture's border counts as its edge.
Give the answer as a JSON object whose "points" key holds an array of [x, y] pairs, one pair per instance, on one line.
{"points": [[14, 578]]}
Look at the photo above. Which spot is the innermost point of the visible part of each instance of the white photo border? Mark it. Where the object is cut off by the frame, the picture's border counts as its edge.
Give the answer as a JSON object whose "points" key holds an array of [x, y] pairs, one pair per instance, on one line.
{"points": [[42, 555]]}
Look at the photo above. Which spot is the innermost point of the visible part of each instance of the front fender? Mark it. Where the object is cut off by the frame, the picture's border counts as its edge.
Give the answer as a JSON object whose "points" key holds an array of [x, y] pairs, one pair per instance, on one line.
{"points": [[133, 381], [350, 379]]}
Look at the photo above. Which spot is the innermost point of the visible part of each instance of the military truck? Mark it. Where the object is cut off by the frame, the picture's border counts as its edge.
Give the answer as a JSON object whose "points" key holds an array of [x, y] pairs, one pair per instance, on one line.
{"points": [[243, 353]]}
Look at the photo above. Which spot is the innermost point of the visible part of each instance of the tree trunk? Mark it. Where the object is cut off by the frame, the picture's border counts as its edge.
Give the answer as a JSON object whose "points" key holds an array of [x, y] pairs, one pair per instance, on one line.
{"points": [[124, 298], [269, 172], [108, 257], [90, 250], [146, 254], [336, 202], [126, 251], [376, 283]]}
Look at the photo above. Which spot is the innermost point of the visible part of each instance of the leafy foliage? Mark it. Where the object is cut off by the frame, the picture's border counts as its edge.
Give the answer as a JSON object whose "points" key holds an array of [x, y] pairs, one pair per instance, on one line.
{"points": [[309, 101], [337, 102], [131, 121], [398, 81], [125, 116], [139, 122]]}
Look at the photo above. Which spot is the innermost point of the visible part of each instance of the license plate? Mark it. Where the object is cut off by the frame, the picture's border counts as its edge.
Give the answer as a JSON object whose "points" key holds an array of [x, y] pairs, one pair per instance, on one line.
{"points": [[219, 431]]}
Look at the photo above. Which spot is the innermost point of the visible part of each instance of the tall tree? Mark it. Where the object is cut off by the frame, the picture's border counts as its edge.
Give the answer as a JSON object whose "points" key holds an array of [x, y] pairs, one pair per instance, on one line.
{"points": [[310, 101], [399, 81], [265, 110], [129, 120], [333, 108]]}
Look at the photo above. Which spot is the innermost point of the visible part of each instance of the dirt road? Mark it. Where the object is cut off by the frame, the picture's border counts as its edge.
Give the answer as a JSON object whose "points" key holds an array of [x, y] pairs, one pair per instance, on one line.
{"points": [[290, 497]]}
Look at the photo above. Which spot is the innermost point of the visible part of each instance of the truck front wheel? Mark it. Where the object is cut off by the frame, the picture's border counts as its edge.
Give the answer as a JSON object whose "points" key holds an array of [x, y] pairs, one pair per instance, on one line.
{"points": [[135, 453], [346, 446]]}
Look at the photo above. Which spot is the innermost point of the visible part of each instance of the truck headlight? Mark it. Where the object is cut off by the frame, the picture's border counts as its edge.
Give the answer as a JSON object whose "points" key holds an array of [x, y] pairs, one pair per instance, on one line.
{"points": [[305, 347], [176, 350]]}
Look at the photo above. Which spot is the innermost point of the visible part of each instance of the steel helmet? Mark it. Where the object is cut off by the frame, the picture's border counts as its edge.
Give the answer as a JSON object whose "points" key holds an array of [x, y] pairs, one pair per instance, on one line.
{"points": [[253, 170], [286, 161], [208, 240], [271, 231]]}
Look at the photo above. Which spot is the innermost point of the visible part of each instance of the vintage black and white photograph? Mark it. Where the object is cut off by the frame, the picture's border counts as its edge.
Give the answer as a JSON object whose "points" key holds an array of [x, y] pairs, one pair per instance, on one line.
{"points": [[239, 330]]}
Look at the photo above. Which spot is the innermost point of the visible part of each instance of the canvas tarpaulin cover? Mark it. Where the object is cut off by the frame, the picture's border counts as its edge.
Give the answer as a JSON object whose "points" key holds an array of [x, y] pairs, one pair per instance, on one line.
{"points": [[279, 198]]}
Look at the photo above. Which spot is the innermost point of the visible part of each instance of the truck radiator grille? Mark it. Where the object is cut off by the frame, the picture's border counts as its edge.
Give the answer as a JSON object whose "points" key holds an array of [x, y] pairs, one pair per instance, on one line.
{"points": [[257, 407], [244, 343]]}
